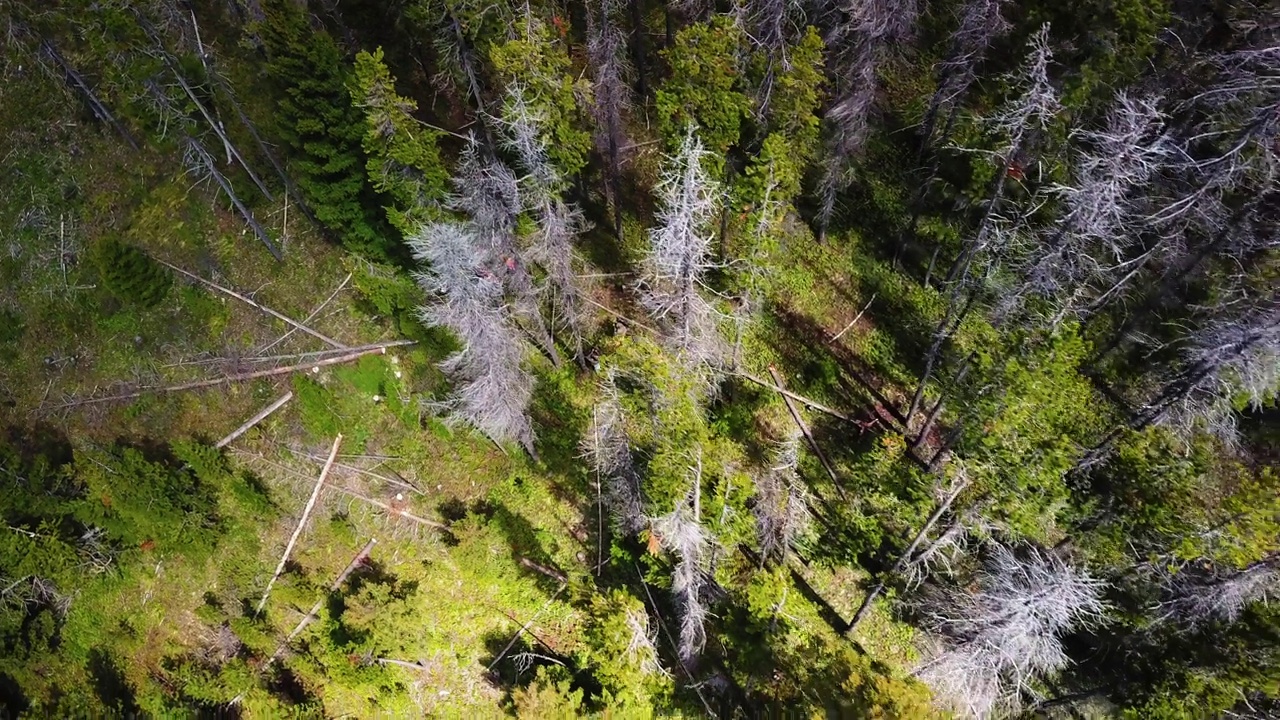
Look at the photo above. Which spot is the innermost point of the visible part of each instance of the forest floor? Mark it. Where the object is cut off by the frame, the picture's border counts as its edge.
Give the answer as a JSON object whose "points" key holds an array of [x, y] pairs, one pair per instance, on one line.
{"points": [[517, 531]]}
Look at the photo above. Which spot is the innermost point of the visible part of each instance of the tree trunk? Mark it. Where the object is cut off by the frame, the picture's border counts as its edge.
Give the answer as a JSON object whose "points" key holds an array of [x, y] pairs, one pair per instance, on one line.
{"points": [[906, 555]]}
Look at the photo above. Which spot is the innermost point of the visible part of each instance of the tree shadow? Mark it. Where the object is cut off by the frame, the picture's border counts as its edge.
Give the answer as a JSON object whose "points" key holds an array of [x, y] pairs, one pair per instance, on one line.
{"points": [[110, 684], [13, 701], [527, 549]]}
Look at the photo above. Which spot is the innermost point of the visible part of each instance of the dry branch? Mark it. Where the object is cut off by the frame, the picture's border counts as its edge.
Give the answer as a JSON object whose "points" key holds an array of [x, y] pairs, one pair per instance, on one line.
{"points": [[243, 298], [376, 503], [359, 470], [315, 609], [856, 318], [804, 428], [526, 626], [302, 522], [960, 485], [798, 398], [262, 415], [315, 312], [354, 354], [206, 162]]}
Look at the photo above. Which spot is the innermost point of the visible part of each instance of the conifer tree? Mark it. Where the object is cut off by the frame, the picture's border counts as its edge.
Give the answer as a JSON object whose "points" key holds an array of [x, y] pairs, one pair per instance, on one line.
{"points": [[323, 128], [130, 274], [404, 159], [705, 89]]}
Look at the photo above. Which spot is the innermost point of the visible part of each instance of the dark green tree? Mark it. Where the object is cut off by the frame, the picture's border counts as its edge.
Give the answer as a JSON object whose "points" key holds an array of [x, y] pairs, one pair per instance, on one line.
{"points": [[323, 128], [130, 274]]}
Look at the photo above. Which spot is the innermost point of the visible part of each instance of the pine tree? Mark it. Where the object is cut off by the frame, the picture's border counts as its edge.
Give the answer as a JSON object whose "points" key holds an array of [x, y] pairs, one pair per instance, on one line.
{"points": [[404, 159], [323, 128], [130, 274]]}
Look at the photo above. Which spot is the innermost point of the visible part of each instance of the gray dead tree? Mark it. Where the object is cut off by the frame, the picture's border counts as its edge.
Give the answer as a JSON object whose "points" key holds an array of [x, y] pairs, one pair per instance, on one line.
{"points": [[1230, 178], [857, 44], [488, 192], [1015, 123], [610, 97], [607, 448], [782, 504], [1196, 598], [559, 222], [981, 22], [679, 256], [492, 386], [681, 533], [1089, 255], [996, 642]]}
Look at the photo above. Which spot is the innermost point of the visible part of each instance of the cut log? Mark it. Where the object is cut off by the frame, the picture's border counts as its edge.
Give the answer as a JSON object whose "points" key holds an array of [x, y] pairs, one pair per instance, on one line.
{"points": [[302, 523], [262, 415], [354, 354]]}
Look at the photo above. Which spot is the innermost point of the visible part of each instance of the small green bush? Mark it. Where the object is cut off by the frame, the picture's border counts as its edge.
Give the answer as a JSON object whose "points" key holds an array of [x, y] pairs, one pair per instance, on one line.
{"points": [[130, 274]]}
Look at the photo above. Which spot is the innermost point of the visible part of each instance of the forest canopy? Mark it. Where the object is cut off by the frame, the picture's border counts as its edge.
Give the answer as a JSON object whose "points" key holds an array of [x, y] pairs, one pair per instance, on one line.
{"points": [[880, 358]]}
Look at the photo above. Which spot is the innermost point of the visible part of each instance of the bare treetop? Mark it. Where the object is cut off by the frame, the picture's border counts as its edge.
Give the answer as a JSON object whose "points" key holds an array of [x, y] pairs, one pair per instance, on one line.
{"points": [[680, 255], [998, 640]]}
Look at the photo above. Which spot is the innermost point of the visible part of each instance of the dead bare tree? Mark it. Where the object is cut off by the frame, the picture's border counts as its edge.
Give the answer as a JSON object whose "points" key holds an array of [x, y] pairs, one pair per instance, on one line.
{"points": [[50, 52], [782, 506], [488, 192], [981, 23], [681, 532], [996, 642], [492, 386], [610, 97], [559, 222], [857, 44], [1196, 598], [607, 449], [202, 164], [1106, 213], [679, 257], [1029, 112]]}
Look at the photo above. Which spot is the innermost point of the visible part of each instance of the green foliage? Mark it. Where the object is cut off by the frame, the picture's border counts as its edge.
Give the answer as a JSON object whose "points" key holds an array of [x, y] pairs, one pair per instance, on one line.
{"points": [[1204, 674], [130, 274], [324, 129], [404, 159], [796, 94], [705, 87], [144, 504], [1023, 414], [1160, 498], [538, 63]]}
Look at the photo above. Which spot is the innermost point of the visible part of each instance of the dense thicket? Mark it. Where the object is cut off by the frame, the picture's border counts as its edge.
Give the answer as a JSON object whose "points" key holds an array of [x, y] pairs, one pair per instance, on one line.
{"points": [[958, 319]]}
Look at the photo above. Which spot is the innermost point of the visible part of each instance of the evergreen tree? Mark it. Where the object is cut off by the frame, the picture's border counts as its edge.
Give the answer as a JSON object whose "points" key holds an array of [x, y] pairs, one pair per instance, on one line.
{"points": [[130, 274], [404, 158], [323, 128]]}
